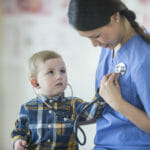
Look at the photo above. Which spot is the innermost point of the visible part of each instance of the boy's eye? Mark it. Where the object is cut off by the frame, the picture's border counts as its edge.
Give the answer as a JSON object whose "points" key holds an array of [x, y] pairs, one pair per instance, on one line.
{"points": [[50, 72], [63, 71]]}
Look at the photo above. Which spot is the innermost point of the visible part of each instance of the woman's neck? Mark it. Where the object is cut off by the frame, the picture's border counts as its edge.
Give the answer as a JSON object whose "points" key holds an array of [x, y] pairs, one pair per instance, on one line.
{"points": [[128, 32]]}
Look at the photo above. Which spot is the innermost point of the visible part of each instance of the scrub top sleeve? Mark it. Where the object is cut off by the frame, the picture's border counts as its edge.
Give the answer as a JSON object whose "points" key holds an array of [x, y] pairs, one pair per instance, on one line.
{"points": [[141, 80]]}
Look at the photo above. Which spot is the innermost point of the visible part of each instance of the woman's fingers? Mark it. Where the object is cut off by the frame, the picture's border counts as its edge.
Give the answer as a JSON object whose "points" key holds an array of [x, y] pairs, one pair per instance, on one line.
{"points": [[116, 80], [111, 78], [106, 77]]}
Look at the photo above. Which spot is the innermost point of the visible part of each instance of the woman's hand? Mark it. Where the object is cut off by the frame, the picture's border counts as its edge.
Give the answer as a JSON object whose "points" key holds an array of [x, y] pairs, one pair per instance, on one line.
{"points": [[110, 90]]}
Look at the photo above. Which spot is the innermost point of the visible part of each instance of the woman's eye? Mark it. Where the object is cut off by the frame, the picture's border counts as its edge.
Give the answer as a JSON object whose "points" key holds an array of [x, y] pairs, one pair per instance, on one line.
{"points": [[97, 36]]}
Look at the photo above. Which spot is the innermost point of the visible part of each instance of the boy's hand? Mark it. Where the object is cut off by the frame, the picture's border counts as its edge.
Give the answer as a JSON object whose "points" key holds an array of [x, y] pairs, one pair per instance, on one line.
{"points": [[20, 145]]}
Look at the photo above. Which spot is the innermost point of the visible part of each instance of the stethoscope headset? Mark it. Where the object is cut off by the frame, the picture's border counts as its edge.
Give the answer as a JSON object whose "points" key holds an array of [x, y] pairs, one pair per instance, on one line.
{"points": [[119, 69]]}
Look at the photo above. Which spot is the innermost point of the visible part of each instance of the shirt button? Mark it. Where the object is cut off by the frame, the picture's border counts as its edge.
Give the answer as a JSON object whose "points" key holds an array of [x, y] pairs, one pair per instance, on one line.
{"points": [[102, 103], [49, 126], [50, 111], [50, 101], [65, 119], [48, 140]]}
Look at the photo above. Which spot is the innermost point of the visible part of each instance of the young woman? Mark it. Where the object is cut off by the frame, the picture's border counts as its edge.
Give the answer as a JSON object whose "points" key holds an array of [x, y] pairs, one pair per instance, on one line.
{"points": [[125, 122]]}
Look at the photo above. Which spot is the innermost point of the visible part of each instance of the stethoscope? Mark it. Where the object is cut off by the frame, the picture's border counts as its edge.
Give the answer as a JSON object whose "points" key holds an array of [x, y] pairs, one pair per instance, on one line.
{"points": [[120, 69]]}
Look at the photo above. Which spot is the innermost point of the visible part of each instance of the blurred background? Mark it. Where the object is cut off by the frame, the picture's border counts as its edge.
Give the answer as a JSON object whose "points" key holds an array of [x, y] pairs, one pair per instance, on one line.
{"points": [[28, 26]]}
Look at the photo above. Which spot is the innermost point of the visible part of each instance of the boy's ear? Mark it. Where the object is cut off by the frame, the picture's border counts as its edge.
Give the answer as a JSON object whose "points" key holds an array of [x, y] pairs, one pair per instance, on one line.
{"points": [[34, 83]]}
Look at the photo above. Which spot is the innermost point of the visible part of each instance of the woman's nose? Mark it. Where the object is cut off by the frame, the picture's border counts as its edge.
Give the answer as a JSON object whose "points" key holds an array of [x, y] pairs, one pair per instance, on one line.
{"points": [[98, 42], [94, 43]]}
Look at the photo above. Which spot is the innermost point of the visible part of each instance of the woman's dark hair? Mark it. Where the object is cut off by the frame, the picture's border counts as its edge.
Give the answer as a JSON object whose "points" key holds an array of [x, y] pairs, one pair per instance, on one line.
{"points": [[85, 15], [130, 15]]}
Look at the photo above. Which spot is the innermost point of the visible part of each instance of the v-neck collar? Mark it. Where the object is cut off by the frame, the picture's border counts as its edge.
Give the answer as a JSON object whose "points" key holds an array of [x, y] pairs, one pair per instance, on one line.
{"points": [[123, 48]]}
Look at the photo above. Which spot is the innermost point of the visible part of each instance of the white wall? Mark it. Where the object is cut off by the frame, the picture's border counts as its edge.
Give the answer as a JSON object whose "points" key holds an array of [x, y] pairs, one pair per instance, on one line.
{"points": [[0, 71], [27, 32]]}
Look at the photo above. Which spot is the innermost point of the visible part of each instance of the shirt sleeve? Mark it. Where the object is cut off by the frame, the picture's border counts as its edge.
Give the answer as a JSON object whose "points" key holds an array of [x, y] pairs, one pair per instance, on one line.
{"points": [[141, 80], [89, 111], [21, 130]]}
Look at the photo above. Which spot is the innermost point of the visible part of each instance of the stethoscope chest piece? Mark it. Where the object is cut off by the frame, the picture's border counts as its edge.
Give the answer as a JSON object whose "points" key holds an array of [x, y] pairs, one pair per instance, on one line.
{"points": [[120, 68]]}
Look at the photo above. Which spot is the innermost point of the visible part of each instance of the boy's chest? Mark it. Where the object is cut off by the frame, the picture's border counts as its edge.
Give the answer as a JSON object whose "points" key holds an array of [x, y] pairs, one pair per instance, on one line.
{"points": [[56, 113]]}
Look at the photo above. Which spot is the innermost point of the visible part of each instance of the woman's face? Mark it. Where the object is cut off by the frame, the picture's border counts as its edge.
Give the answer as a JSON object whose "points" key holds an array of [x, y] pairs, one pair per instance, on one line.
{"points": [[108, 36]]}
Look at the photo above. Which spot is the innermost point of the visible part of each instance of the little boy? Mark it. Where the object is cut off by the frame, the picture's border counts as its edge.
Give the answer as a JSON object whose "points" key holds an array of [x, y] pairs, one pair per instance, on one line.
{"points": [[46, 122]]}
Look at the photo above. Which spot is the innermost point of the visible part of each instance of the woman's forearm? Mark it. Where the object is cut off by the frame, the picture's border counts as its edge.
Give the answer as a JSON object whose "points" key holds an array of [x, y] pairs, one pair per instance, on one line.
{"points": [[135, 115]]}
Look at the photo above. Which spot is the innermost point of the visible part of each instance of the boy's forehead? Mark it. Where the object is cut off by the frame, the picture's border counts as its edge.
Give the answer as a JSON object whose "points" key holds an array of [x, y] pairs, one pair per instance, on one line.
{"points": [[52, 63]]}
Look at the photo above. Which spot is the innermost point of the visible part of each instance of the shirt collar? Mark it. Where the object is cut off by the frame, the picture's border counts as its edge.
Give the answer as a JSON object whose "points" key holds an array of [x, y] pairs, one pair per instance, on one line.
{"points": [[57, 98]]}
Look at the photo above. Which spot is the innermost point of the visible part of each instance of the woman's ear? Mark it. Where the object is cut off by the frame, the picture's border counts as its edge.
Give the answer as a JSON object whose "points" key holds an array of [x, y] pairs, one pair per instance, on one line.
{"points": [[34, 83], [115, 17]]}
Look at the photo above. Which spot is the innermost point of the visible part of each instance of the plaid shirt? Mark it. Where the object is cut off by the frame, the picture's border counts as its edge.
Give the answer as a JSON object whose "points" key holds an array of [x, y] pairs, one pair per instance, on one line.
{"points": [[51, 127]]}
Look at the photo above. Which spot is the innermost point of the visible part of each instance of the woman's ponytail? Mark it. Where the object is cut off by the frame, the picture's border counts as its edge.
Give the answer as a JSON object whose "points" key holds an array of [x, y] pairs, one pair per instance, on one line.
{"points": [[130, 15]]}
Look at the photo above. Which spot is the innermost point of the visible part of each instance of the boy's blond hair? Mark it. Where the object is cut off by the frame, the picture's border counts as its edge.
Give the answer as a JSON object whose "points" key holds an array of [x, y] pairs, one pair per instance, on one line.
{"points": [[40, 57]]}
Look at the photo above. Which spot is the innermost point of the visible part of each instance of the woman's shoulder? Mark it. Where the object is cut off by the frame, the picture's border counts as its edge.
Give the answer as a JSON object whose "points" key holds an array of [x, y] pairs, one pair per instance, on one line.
{"points": [[140, 48], [139, 54], [140, 42]]}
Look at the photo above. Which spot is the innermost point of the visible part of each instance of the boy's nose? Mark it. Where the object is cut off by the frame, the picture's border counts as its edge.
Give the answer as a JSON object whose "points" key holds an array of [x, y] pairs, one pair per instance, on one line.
{"points": [[59, 76]]}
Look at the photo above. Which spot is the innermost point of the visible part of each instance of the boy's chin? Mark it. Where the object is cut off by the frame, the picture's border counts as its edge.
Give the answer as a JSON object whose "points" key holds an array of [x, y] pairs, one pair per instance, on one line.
{"points": [[56, 94]]}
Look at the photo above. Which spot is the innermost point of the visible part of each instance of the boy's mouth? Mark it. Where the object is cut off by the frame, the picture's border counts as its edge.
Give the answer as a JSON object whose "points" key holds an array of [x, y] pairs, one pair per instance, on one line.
{"points": [[59, 84]]}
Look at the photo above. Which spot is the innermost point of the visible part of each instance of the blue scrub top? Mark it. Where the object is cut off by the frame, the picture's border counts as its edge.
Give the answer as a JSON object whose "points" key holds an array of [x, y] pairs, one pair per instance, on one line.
{"points": [[113, 130]]}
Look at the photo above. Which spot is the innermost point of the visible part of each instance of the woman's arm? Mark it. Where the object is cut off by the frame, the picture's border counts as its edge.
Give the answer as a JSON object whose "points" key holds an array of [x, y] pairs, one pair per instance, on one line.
{"points": [[135, 115], [110, 91]]}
